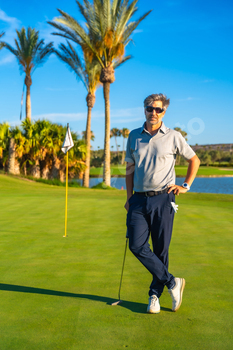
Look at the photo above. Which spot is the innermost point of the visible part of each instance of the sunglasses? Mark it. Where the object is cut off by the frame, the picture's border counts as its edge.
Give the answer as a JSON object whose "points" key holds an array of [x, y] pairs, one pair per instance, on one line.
{"points": [[157, 110]]}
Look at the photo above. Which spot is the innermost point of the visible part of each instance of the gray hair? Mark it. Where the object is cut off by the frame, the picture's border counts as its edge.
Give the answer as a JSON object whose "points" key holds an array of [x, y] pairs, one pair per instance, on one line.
{"points": [[157, 97]]}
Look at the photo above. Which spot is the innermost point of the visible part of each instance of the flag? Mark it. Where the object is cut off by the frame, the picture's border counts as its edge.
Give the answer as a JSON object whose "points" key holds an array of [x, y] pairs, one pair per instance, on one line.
{"points": [[68, 142]]}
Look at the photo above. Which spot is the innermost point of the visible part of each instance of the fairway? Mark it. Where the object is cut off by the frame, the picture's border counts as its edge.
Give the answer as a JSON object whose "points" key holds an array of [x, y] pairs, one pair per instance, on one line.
{"points": [[56, 292]]}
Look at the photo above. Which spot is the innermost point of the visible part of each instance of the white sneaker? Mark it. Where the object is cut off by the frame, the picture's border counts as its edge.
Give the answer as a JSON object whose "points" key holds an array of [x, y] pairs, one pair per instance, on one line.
{"points": [[153, 306], [176, 293]]}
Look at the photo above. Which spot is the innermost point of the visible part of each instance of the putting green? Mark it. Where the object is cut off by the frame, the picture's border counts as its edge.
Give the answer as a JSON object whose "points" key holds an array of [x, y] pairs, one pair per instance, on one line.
{"points": [[56, 292]]}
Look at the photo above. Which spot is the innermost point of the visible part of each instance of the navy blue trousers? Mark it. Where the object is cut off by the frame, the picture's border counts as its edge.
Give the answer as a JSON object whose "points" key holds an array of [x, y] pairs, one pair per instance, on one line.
{"points": [[152, 215]]}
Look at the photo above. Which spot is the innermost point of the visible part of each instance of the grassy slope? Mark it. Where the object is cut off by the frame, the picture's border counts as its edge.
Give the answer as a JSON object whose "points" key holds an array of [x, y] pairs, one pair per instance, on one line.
{"points": [[55, 291], [180, 171]]}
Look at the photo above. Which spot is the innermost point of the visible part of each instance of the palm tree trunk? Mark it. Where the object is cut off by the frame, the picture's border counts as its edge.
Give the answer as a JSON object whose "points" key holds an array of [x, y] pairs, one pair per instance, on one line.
{"points": [[107, 171], [45, 172], [88, 143], [11, 157], [117, 150], [28, 83], [123, 153], [55, 173], [35, 172]]}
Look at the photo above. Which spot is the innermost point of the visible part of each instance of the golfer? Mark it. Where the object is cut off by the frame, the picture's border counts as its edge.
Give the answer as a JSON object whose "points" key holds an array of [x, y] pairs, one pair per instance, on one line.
{"points": [[151, 189]]}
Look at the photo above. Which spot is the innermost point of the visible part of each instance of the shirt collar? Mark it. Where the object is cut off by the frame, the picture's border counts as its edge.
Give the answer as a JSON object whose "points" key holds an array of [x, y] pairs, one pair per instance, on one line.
{"points": [[162, 129]]}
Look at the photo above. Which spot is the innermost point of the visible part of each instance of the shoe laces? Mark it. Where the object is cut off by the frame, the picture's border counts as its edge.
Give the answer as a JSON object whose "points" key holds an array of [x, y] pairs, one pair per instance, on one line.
{"points": [[153, 299]]}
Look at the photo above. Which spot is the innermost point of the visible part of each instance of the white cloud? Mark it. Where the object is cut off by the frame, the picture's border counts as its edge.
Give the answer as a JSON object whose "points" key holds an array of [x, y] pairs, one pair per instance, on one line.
{"points": [[7, 59], [208, 81], [187, 99], [7, 19], [9, 26], [61, 89], [58, 117], [128, 120], [126, 115], [11, 23], [138, 31], [127, 112]]}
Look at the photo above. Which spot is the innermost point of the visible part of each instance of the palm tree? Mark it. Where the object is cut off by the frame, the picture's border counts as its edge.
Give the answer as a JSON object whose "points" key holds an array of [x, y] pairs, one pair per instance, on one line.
{"points": [[115, 133], [89, 73], [125, 134], [92, 135], [77, 154], [4, 143], [106, 34], [30, 53], [33, 150]]}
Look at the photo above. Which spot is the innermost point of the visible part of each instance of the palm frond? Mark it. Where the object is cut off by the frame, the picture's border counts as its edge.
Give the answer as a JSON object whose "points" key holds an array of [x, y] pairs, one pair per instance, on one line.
{"points": [[124, 19], [30, 51], [1, 44], [9, 47], [119, 62], [71, 58], [90, 16], [66, 21], [98, 8]]}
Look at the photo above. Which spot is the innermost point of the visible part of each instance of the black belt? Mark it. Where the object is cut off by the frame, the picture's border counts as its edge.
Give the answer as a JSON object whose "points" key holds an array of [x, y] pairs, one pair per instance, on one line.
{"points": [[152, 193]]}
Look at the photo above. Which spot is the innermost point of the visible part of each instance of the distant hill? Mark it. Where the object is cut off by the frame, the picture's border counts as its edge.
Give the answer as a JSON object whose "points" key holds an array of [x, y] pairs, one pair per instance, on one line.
{"points": [[227, 147]]}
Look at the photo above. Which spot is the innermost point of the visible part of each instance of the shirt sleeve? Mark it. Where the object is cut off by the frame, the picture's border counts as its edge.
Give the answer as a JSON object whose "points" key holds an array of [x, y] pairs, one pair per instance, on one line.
{"points": [[183, 148], [129, 156]]}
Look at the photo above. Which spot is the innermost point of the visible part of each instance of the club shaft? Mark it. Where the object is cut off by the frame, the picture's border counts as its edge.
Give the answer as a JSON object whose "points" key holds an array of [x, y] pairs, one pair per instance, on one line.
{"points": [[119, 293]]}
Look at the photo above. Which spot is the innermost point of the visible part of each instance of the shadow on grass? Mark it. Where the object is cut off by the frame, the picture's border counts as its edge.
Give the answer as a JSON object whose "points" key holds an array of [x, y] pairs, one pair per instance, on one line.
{"points": [[132, 306]]}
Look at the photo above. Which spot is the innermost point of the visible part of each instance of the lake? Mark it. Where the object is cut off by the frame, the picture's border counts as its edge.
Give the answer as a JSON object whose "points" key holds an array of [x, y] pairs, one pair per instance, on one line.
{"points": [[200, 184]]}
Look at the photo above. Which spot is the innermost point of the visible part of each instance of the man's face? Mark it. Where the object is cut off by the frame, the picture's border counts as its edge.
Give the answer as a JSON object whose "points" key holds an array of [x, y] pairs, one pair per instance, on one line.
{"points": [[154, 118]]}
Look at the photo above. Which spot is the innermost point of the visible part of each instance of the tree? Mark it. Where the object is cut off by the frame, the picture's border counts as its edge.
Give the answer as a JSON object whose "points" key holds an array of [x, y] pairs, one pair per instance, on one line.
{"points": [[106, 33], [215, 155], [125, 134], [92, 135], [89, 73], [206, 158], [115, 133], [183, 133], [30, 53], [4, 143]]}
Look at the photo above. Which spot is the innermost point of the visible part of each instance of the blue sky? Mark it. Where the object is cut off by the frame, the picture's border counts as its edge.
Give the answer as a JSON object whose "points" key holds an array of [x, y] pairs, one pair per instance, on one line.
{"points": [[183, 49]]}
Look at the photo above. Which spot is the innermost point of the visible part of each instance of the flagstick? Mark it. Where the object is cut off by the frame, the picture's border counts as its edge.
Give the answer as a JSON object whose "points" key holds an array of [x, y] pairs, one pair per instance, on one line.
{"points": [[66, 194], [67, 145]]}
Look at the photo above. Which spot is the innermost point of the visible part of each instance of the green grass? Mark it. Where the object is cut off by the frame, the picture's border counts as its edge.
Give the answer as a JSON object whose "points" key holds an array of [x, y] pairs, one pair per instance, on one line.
{"points": [[56, 292], [119, 170]]}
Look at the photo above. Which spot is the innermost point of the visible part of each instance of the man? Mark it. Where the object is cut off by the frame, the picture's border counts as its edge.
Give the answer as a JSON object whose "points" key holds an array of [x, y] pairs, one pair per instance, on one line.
{"points": [[151, 189]]}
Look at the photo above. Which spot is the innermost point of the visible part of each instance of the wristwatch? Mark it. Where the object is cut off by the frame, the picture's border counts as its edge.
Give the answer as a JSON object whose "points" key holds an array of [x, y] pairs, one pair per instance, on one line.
{"points": [[186, 186]]}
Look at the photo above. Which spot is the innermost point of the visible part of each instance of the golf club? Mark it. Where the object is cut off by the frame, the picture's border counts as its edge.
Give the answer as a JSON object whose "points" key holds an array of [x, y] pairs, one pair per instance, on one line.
{"points": [[119, 293]]}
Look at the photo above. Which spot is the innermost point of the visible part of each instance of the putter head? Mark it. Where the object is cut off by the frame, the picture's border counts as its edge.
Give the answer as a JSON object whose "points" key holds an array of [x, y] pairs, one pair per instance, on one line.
{"points": [[116, 302]]}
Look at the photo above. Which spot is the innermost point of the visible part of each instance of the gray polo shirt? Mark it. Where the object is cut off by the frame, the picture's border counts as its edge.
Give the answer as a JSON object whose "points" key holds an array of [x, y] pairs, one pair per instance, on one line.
{"points": [[154, 157]]}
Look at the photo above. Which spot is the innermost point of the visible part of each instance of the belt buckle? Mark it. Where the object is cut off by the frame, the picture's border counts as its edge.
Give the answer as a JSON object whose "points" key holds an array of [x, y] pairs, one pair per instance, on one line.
{"points": [[147, 194]]}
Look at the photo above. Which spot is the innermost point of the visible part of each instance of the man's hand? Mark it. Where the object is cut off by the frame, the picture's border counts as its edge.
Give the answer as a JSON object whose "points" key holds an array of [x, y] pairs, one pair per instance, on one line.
{"points": [[176, 189], [126, 206]]}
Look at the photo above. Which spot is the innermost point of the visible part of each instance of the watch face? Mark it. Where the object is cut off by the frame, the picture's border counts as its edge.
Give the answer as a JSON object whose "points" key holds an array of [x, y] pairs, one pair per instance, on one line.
{"points": [[185, 185]]}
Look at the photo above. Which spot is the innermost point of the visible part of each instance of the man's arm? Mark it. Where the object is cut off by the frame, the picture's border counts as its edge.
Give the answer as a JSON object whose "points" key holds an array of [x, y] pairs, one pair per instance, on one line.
{"points": [[194, 164], [129, 182]]}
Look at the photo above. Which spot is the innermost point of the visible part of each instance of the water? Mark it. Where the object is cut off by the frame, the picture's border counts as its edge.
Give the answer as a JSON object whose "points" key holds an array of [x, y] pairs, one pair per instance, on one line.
{"points": [[200, 184]]}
